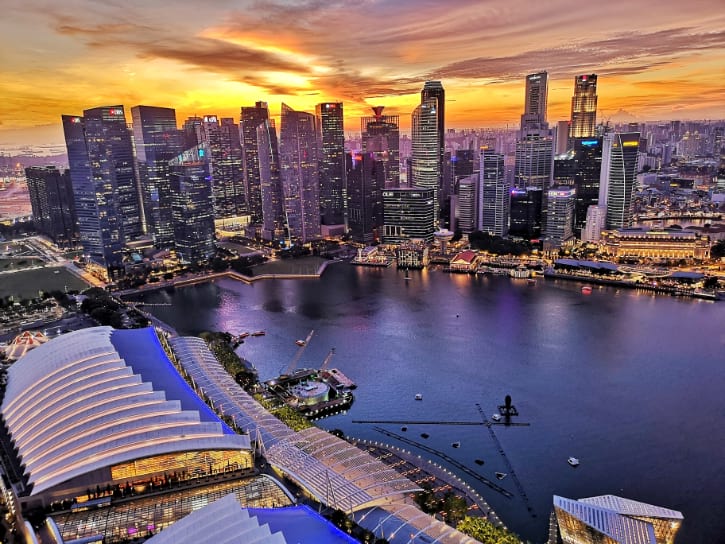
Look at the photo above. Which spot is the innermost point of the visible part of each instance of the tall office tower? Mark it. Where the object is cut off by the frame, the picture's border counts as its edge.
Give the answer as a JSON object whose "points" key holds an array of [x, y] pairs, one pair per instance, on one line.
{"points": [[270, 183], [434, 90], [588, 156], [562, 137], [221, 139], [467, 199], [610, 519], [408, 214], [192, 132], [525, 215], [365, 184], [192, 205], [426, 162], [465, 163], [493, 204], [559, 216], [596, 222], [252, 117], [534, 162], [299, 158], [534, 116], [618, 177], [381, 136], [584, 107], [51, 197], [157, 141], [332, 162], [111, 153]]}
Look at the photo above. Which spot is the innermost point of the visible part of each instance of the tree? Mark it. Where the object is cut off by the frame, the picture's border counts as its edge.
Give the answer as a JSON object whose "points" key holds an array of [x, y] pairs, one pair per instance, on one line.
{"points": [[486, 532], [717, 251]]}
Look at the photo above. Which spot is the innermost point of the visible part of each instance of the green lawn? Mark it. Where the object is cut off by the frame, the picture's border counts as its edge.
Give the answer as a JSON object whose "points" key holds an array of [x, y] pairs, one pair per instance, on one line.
{"points": [[27, 283], [304, 265]]}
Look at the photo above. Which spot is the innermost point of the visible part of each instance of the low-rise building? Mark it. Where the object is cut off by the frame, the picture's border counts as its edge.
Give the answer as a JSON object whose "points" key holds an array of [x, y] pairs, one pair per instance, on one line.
{"points": [[658, 245]]}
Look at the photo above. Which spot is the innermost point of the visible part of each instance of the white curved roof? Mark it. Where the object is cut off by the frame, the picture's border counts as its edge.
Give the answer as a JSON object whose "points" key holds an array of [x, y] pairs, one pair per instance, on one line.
{"points": [[75, 405]]}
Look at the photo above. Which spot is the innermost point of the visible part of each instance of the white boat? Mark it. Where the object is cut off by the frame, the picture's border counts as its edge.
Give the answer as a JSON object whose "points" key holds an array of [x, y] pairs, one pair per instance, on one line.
{"points": [[496, 417], [300, 343], [456, 444], [418, 396], [501, 475], [573, 461]]}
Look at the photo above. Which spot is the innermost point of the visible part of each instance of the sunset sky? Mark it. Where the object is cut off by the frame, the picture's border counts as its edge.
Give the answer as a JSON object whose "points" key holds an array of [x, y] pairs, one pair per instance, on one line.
{"points": [[655, 59]]}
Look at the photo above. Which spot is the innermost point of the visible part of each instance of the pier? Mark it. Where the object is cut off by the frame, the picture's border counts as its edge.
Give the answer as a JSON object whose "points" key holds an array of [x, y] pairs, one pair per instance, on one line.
{"points": [[511, 471], [403, 422], [460, 466]]}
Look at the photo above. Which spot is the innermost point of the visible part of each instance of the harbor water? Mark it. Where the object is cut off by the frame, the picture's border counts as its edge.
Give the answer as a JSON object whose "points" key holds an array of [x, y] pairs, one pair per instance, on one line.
{"points": [[628, 382]]}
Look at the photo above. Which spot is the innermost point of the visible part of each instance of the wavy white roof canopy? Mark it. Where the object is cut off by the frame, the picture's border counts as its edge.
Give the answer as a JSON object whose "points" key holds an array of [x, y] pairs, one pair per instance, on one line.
{"points": [[75, 405]]}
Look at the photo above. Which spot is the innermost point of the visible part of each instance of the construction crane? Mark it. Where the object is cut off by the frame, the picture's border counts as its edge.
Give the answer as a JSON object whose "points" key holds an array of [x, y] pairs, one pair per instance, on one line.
{"points": [[327, 360], [300, 351]]}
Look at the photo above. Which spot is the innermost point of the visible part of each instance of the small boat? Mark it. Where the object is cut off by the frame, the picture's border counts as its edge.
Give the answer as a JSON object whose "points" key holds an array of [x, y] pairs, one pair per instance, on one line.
{"points": [[501, 475], [243, 335], [56, 272], [531, 281], [456, 444], [479, 461], [404, 428], [418, 396], [586, 290], [496, 417], [258, 333], [300, 343], [424, 435], [573, 461]]}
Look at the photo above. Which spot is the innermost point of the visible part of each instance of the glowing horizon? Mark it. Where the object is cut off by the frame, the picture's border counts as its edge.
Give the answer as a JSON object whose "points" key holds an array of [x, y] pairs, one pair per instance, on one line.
{"points": [[654, 62]]}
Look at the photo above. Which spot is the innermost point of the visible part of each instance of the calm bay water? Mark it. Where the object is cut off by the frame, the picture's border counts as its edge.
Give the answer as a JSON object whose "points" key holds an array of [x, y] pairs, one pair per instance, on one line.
{"points": [[631, 384]]}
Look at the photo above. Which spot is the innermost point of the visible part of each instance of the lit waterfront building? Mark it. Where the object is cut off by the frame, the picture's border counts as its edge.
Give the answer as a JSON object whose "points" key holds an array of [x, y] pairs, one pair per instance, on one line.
{"points": [[584, 107], [426, 162], [467, 200], [299, 161], [270, 182], [381, 136], [588, 158], [433, 90], [525, 214], [609, 519], [251, 118], [365, 183], [332, 162], [658, 245], [560, 217], [534, 164], [618, 177], [596, 222], [51, 198], [157, 141], [408, 214], [192, 205], [493, 204], [534, 116]]}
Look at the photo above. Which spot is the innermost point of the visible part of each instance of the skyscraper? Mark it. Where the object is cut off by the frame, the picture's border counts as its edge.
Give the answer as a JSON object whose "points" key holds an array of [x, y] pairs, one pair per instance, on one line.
{"points": [[192, 205], [588, 156], [525, 215], [559, 216], [408, 214], [51, 197], [534, 116], [493, 205], [157, 141], [252, 117], [270, 183], [365, 183], [618, 177], [467, 191], [299, 161], [426, 163], [332, 162], [584, 107], [381, 136], [433, 90]]}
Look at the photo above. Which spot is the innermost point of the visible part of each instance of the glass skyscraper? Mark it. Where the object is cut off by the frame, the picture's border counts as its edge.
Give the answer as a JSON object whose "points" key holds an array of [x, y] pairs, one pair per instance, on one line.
{"points": [[332, 162], [252, 117], [381, 136], [271, 191], [425, 160], [493, 205], [534, 116], [51, 197], [584, 107], [618, 177]]}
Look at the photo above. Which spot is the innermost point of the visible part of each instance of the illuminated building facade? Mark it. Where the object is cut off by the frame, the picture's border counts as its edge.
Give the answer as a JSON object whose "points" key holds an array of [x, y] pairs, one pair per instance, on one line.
{"points": [[408, 214], [588, 157], [157, 141], [299, 165], [270, 183], [192, 205], [252, 117], [51, 198], [609, 519], [332, 162], [365, 183], [426, 163], [659, 245], [534, 162], [433, 90], [584, 107], [618, 177], [467, 201], [381, 136], [534, 116], [493, 204], [559, 216]]}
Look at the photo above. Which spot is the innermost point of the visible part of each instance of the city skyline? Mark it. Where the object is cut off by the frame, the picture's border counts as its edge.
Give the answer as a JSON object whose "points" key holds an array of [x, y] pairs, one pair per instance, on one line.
{"points": [[653, 61]]}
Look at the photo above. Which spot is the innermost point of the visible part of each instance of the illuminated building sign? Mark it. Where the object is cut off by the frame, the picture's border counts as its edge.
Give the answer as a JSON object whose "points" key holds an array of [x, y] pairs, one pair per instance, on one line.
{"points": [[115, 111], [634, 143], [210, 119], [589, 143], [75, 120]]}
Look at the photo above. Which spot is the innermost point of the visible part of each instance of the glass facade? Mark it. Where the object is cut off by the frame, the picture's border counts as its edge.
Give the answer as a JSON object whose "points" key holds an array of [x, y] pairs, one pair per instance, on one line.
{"points": [[584, 107], [191, 462], [381, 136], [408, 214], [332, 162]]}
